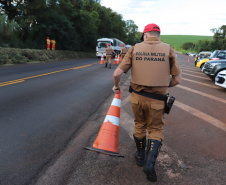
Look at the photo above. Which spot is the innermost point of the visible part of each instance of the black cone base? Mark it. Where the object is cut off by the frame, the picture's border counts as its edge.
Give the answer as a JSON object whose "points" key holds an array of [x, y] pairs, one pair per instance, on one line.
{"points": [[104, 152]]}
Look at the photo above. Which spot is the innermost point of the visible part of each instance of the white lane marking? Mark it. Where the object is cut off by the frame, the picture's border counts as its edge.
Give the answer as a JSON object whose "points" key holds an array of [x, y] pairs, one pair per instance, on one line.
{"points": [[195, 76], [192, 71], [209, 119], [202, 93], [188, 67], [212, 86]]}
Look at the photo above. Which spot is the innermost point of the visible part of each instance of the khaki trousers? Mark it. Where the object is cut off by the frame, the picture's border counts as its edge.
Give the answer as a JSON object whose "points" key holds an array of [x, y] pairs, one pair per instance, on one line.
{"points": [[123, 55], [148, 116], [108, 59]]}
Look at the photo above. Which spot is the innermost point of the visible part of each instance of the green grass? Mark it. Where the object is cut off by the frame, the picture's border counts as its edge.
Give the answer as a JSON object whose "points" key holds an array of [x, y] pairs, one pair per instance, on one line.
{"points": [[10, 56], [177, 40]]}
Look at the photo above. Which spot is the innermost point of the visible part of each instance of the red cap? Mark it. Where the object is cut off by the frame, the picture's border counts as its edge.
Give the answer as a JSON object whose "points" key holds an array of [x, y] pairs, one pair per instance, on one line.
{"points": [[151, 27], [108, 44], [122, 44]]}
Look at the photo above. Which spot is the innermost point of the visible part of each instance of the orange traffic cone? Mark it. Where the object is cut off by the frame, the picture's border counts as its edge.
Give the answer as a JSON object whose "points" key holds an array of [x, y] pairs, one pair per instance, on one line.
{"points": [[188, 61], [102, 60], [118, 59], [107, 139], [115, 61]]}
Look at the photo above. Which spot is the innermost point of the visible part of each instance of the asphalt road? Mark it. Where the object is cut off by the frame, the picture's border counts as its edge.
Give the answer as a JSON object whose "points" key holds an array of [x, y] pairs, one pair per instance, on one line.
{"points": [[43, 139], [42, 107], [193, 151]]}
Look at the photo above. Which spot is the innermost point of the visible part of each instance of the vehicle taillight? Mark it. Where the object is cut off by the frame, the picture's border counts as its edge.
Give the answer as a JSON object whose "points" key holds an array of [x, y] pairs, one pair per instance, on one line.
{"points": [[214, 59]]}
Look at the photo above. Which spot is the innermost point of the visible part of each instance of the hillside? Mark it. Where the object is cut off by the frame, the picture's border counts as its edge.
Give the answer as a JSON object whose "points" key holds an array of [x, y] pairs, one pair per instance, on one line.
{"points": [[177, 40]]}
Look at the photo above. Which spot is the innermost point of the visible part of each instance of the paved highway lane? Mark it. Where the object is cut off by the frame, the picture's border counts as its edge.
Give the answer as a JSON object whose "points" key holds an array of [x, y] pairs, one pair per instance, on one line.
{"points": [[42, 106]]}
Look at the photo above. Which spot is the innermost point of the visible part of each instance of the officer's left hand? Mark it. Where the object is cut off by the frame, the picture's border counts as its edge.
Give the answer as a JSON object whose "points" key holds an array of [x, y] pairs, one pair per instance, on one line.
{"points": [[116, 90]]}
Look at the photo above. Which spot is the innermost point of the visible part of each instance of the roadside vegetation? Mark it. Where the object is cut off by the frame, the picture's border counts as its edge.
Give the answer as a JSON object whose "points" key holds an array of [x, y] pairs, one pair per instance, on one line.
{"points": [[76, 25], [9, 56], [196, 44]]}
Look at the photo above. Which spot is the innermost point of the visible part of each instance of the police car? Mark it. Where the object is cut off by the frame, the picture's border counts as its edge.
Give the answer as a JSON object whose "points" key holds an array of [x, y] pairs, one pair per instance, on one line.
{"points": [[220, 79]]}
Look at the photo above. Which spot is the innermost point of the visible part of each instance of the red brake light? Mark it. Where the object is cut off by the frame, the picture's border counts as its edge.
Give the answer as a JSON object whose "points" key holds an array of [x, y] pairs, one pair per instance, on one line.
{"points": [[214, 59]]}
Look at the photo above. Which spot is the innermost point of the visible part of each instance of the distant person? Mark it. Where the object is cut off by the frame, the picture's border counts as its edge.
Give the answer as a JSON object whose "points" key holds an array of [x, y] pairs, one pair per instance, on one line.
{"points": [[108, 51], [154, 69], [123, 52], [48, 43], [53, 42]]}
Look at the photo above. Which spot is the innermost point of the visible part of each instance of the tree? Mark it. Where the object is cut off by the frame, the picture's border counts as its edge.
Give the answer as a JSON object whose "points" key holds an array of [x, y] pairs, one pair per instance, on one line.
{"points": [[188, 45], [219, 37], [131, 32]]}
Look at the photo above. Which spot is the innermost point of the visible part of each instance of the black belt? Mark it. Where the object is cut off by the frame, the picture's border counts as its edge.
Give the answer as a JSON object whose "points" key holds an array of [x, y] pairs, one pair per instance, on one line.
{"points": [[108, 54], [151, 95]]}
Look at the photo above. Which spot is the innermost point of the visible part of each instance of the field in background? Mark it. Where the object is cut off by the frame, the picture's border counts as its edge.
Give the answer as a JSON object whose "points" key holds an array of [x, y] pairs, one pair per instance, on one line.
{"points": [[177, 40]]}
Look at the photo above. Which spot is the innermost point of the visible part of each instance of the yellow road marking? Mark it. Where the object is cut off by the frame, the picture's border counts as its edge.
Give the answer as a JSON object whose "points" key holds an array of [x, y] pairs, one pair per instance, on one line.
{"points": [[53, 72]]}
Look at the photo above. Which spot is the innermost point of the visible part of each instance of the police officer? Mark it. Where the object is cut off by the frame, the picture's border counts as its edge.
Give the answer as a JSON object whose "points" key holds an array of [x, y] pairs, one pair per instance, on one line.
{"points": [[123, 51], [154, 69], [48, 43], [108, 51], [53, 42]]}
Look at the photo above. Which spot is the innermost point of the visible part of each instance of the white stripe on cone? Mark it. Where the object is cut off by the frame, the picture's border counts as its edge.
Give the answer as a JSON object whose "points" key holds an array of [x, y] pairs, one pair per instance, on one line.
{"points": [[113, 119], [116, 102]]}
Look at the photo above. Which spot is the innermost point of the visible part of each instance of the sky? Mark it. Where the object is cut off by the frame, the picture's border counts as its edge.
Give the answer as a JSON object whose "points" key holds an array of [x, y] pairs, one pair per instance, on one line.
{"points": [[174, 17]]}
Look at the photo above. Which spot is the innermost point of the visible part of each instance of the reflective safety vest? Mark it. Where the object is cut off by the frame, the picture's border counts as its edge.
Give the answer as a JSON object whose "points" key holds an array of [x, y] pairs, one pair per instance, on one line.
{"points": [[150, 64], [123, 50], [109, 51]]}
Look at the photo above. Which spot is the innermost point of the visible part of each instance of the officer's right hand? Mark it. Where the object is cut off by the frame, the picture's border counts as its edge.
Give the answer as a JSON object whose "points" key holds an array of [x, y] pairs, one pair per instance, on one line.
{"points": [[116, 90]]}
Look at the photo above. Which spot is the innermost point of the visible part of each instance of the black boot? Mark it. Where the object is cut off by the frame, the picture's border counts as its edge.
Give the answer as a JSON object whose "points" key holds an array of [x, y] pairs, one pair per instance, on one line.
{"points": [[106, 64], [153, 149], [140, 153], [110, 66]]}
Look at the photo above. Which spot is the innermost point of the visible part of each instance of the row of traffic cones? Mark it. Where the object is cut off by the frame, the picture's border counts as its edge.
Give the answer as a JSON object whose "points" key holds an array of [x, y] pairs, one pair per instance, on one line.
{"points": [[116, 60], [107, 139]]}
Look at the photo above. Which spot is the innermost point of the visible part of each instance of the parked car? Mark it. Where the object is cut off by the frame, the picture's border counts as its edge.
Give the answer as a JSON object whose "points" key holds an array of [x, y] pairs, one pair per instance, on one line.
{"points": [[220, 79], [188, 53], [213, 67], [201, 55], [193, 54], [216, 55]]}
